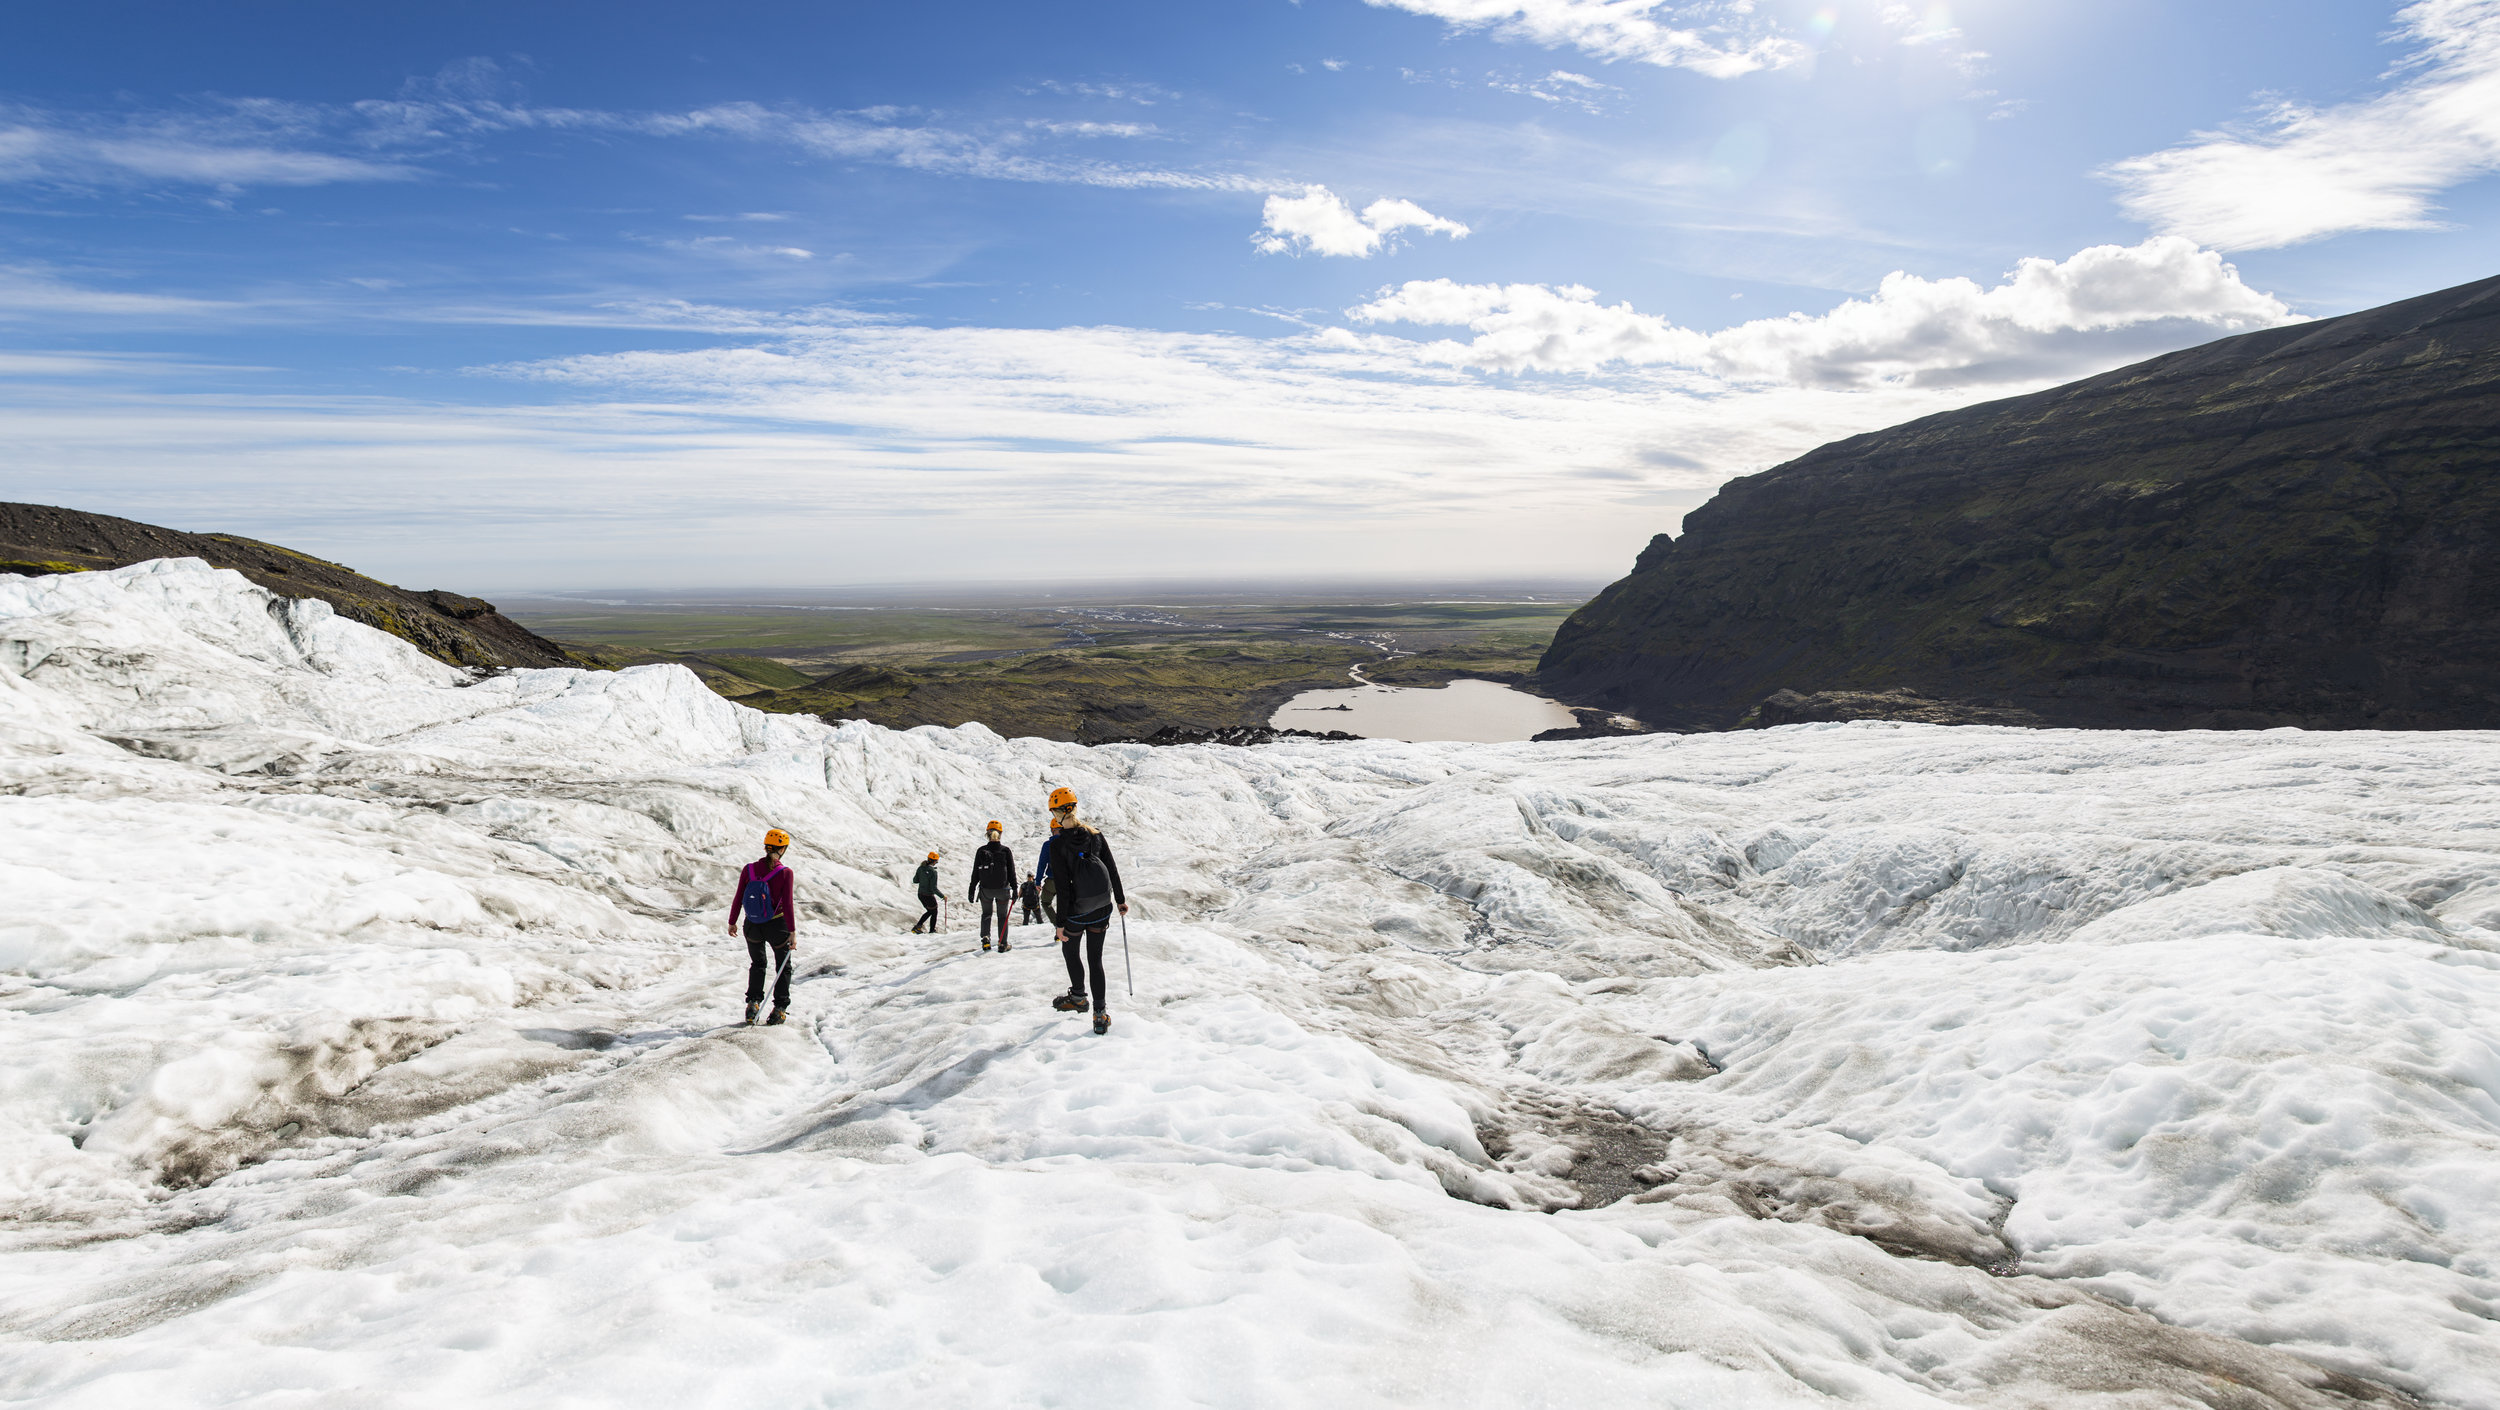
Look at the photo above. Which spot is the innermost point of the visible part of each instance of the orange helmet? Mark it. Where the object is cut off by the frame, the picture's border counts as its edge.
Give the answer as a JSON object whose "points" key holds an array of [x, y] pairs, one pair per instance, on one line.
{"points": [[776, 838], [933, 856], [994, 826], [1055, 824], [1062, 798]]}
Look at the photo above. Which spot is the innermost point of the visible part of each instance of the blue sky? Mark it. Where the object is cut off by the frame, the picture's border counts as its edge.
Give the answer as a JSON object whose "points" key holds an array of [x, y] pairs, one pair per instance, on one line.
{"points": [[544, 295]]}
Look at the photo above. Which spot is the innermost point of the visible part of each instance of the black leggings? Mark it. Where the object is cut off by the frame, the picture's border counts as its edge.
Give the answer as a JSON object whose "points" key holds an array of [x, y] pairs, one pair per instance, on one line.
{"points": [[1092, 941], [775, 938], [928, 913]]}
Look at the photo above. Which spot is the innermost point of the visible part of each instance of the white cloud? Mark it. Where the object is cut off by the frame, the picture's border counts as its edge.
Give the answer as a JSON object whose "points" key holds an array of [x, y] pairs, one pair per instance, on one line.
{"points": [[1721, 38], [1092, 129], [1143, 94], [1320, 222], [728, 247], [210, 151], [32, 291], [1560, 87], [844, 446], [2305, 173], [848, 451], [1932, 29], [259, 142], [2048, 318]]}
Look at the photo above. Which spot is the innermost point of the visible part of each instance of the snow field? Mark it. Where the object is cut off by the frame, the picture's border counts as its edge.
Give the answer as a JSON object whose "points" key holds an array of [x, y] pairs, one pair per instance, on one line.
{"points": [[360, 1041]]}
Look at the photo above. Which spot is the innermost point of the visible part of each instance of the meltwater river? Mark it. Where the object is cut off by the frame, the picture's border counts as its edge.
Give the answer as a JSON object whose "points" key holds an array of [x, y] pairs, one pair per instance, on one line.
{"points": [[1483, 712]]}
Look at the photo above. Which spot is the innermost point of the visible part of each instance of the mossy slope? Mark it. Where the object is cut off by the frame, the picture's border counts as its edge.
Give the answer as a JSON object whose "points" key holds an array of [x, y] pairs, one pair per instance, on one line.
{"points": [[465, 631], [2299, 526]]}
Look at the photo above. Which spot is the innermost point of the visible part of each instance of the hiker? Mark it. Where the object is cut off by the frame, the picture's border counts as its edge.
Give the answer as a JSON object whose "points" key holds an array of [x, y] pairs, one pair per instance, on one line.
{"points": [[926, 880], [1030, 894], [1041, 883], [1087, 881], [767, 895], [993, 883]]}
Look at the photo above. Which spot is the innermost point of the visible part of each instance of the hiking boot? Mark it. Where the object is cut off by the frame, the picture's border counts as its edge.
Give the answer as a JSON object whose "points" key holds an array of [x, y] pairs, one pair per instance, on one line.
{"points": [[1102, 1024], [1069, 1002], [752, 1011], [985, 945], [783, 1015], [1003, 946]]}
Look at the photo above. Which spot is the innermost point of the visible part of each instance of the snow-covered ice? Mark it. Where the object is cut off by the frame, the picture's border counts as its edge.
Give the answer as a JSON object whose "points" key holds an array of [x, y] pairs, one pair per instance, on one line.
{"points": [[365, 1040]]}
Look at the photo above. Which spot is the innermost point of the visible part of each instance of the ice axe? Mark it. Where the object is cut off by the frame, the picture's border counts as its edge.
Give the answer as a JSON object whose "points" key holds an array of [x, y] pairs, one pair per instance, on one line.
{"points": [[1125, 962]]}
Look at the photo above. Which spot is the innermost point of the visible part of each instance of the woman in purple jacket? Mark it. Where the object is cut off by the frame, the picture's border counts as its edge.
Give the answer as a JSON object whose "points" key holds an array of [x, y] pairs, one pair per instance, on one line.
{"points": [[768, 896]]}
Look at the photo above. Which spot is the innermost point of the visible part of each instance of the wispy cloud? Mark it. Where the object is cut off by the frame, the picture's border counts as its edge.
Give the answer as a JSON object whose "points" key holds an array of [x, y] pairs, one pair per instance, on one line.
{"points": [[1143, 94], [1722, 38], [725, 246], [229, 145], [2048, 318], [1931, 27], [1320, 222], [2303, 173], [34, 291], [223, 150], [840, 443], [1560, 87], [1092, 129]]}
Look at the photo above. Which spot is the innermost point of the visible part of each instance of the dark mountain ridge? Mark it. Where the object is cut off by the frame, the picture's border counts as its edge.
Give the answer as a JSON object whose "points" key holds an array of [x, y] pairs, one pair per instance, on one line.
{"points": [[38, 538], [2293, 527]]}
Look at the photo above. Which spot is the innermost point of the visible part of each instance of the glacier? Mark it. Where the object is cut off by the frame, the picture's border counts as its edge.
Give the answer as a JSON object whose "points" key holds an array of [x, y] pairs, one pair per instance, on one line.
{"points": [[367, 1038]]}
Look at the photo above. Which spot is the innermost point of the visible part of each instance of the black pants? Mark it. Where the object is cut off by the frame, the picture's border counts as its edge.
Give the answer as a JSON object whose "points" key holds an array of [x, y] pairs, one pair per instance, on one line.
{"points": [[1000, 898], [928, 914], [1090, 937], [775, 938], [1032, 910]]}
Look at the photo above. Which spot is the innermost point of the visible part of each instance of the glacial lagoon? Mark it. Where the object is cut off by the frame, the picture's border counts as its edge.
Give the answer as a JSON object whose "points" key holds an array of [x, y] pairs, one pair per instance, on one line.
{"points": [[1483, 712]]}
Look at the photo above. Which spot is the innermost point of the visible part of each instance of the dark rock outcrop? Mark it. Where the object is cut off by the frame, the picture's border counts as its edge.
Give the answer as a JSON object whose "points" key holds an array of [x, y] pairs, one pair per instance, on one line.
{"points": [[1593, 724], [1787, 707], [465, 631], [2299, 526], [1231, 734]]}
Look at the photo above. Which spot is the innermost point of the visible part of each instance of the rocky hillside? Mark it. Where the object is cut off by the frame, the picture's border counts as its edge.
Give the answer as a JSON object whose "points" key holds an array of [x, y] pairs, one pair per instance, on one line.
{"points": [[37, 538], [2293, 527]]}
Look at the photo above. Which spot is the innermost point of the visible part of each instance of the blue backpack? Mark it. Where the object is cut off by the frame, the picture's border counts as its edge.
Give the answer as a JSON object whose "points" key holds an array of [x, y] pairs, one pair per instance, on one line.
{"points": [[758, 900]]}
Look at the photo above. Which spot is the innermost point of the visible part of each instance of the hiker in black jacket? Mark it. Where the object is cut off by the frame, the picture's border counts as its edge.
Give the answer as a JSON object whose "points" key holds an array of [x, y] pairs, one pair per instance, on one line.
{"points": [[993, 885], [1086, 887], [927, 880]]}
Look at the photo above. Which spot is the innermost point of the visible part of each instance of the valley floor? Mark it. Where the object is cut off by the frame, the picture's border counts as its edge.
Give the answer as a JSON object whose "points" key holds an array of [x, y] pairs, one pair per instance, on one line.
{"points": [[365, 1040]]}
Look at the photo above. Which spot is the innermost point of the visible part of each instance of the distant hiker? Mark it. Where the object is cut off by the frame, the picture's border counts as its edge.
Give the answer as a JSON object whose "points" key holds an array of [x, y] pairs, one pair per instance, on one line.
{"points": [[926, 880], [767, 896], [993, 883], [1041, 868], [1030, 894], [1087, 886]]}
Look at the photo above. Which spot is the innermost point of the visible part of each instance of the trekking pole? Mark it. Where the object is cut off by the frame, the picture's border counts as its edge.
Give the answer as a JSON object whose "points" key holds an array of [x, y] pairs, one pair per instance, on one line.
{"points": [[1125, 962]]}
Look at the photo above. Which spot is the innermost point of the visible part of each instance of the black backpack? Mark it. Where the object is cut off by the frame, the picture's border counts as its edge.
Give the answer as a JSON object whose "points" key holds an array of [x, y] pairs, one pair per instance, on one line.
{"points": [[1076, 853]]}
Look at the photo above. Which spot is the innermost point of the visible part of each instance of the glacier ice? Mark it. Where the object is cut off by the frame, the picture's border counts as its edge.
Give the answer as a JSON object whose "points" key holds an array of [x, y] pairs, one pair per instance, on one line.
{"points": [[365, 1040]]}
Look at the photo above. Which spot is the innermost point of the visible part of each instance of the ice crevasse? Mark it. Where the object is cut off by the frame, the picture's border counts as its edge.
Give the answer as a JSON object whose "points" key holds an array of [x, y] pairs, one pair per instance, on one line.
{"points": [[366, 1040]]}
